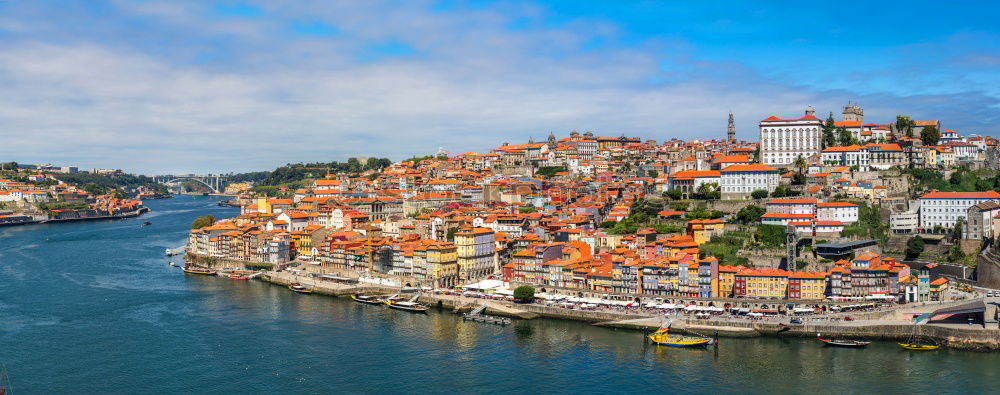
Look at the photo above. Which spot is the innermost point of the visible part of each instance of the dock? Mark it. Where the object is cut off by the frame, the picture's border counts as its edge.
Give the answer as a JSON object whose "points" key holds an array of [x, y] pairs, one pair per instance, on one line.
{"points": [[478, 316]]}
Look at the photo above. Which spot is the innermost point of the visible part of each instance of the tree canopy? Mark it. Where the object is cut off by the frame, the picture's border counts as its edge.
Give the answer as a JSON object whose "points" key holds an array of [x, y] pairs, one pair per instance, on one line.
{"points": [[914, 247], [930, 135], [750, 214], [524, 293], [829, 139], [203, 221]]}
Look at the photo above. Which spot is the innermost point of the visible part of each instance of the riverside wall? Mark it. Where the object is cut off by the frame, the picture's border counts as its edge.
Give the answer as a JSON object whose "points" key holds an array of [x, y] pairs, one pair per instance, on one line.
{"points": [[876, 325], [953, 336]]}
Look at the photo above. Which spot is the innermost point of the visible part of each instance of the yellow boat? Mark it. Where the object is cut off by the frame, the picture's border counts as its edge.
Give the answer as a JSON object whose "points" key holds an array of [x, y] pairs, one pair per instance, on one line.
{"points": [[919, 346], [662, 337], [199, 270]]}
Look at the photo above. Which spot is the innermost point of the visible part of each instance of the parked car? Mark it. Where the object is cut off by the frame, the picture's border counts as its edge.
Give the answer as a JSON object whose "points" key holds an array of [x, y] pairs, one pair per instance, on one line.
{"points": [[796, 321], [989, 294]]}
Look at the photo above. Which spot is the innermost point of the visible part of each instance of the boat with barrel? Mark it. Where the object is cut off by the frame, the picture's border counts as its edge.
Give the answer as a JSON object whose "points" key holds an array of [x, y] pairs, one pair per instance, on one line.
{"points": [[237, 276], [663, 337], [199, 270], [368, 299], [296, 287], [407, 305], [846, 343]]}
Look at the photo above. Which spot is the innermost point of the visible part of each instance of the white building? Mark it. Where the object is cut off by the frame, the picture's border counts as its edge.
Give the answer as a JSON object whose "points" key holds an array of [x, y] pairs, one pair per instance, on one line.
{"points": [[791, 206], [905, 222], [945, 208], [738, 181], [851, 155], [837, 211], [784, 140]]}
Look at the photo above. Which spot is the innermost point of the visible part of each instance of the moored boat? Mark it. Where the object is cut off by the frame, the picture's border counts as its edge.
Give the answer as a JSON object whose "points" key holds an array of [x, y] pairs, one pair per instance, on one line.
{"points": [[199, 270], [662, 337], [236, 276], [407, 306], [296, 287], [847, 343], [919, 346], [367, 299]]}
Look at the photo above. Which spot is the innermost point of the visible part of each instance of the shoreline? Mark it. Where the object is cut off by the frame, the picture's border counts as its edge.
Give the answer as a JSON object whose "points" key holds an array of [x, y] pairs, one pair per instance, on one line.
{"points": [[954, 336], [130, 214]]}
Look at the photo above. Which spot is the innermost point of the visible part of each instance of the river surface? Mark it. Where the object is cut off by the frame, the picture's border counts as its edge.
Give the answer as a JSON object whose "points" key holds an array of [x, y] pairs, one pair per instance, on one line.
{"points": [[94, 307]]}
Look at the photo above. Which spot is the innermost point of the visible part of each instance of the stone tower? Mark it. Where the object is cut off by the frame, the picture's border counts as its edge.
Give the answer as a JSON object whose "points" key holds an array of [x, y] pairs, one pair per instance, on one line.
{"points": [[552, 140], [810, 111], [853, 112], [731, 130]]}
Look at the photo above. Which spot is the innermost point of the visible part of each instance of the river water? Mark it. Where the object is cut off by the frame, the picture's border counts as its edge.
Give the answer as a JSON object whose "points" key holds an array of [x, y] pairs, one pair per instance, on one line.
{"points": [[95, 307]]}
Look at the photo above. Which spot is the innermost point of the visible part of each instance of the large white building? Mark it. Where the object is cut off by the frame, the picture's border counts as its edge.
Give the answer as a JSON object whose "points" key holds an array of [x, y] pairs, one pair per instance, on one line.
{"points": [[837, 211], [784, 140], [738, 181], [945, 208]]}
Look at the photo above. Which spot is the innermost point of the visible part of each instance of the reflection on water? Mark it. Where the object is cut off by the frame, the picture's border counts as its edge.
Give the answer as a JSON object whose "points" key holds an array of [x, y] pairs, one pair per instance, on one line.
{"points": [[96, 308]]}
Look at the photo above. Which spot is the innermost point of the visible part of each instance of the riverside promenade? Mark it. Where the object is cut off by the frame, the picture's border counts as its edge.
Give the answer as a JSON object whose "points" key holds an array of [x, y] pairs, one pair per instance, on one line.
{"points": [[893, 324]]}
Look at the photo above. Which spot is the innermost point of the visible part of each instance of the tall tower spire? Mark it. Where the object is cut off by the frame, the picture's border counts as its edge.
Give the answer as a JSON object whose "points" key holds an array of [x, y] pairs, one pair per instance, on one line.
{"points": [[731, 130]]}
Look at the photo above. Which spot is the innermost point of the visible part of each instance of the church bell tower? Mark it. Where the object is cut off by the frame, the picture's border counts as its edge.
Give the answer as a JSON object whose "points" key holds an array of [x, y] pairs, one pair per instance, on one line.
{"points": [[731, 130]]}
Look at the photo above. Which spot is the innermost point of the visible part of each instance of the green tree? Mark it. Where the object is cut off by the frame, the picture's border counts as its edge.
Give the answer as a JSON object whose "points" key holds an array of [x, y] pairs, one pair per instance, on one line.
{"points": [[759, 194], [956, 232], [844, 137], [771, 235], [955, 254], [652, 173], [8, 166], [829, 139], [203, 221], [930, 135], [549, 171], [92, 188], [353, 165], [800, 163], [451, 234], [673, 194], [905, 125], [524, 293], [707, 191], [914, 247], [526, 210], [750, 214]]}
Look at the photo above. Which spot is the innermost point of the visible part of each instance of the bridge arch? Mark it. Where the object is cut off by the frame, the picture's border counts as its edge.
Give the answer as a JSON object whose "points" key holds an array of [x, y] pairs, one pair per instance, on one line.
{"points": [[199, 180]]}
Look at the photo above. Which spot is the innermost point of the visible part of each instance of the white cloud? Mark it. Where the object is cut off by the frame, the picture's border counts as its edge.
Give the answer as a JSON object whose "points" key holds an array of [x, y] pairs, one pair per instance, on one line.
{"points": [[270, 99]]}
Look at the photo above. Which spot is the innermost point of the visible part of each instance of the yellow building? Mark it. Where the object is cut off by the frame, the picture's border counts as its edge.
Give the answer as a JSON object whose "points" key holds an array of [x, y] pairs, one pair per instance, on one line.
{"points": [[807, 285], [264, 206], [702, 230], [476, 250], [442, 260], [727, 277], [761, 284], [930, 157]]}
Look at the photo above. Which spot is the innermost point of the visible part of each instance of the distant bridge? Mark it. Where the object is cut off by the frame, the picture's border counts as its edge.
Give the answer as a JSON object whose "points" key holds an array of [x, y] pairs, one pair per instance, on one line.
{"points": [[216, 183]]}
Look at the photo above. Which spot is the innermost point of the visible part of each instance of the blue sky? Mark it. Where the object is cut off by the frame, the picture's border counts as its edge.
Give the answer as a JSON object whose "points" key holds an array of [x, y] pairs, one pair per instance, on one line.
{"points": [[196, 86]]}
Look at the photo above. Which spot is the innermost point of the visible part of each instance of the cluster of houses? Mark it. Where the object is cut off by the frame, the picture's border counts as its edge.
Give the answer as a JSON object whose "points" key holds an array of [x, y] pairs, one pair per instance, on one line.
{"points": [[23, 198], [539, 213]]}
